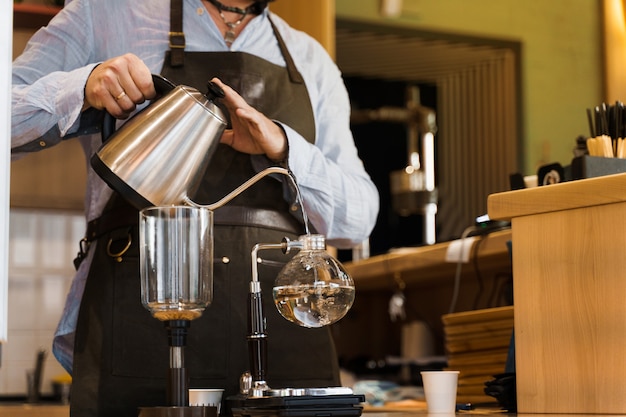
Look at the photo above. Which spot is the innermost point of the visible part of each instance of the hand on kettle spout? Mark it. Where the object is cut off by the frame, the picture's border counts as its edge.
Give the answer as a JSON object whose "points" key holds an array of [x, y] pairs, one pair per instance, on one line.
{"points": [[118, 85], [252, 132]]}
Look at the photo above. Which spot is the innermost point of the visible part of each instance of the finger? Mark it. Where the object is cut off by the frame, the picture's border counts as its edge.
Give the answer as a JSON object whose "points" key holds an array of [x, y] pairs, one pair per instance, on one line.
{"points": [[125, 104], [246, 114], [119, 105], [141, 78], [120, 96], [231, 99], [127, 91], [120, 108], [128, 74], [228, 137], [252, 120], [135, 83]]}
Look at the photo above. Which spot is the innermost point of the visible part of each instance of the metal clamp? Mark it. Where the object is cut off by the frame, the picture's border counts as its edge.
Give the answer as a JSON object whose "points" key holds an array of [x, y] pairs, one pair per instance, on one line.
{"points": [[118, 255], [83, 248]]}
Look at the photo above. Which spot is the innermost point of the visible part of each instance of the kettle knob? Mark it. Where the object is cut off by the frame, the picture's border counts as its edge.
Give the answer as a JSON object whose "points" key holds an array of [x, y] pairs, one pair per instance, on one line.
{"points": [[213, 94], [214, 91]]}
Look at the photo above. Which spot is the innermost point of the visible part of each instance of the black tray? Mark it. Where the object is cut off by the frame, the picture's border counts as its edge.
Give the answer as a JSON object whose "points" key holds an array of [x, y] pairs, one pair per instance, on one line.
{"points": [[297, 406]]}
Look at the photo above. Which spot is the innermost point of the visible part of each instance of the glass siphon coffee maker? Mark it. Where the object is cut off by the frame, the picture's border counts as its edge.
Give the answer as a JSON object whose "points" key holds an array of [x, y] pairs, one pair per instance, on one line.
{"points": [[176, 298]]}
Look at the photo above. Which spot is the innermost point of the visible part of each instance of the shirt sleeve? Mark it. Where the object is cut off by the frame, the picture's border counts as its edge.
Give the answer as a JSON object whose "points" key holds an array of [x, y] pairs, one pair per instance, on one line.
{"points": [[48, 82]]}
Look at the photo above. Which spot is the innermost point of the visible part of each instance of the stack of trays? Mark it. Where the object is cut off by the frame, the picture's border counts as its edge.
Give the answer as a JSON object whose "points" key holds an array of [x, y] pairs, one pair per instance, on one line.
{"points": [[477, 344]]}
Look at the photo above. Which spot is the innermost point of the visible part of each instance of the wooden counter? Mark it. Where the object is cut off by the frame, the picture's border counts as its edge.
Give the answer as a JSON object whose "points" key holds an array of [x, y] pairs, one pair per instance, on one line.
{"points": [[579, 194], [421, 266], [569, 269], [28, 410], [63, 411]]}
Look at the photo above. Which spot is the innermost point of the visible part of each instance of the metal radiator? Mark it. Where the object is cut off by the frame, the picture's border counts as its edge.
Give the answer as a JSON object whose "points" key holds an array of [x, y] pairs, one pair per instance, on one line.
{"points": [[477, 140]]}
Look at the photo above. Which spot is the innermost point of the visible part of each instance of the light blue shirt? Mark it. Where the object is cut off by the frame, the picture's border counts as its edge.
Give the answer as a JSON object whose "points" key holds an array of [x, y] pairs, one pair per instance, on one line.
{"points": [[48, 93]]}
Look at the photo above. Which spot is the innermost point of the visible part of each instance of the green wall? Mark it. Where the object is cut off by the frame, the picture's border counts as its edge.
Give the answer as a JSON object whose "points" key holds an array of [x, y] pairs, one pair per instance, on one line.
{"points": [[561, 58]]}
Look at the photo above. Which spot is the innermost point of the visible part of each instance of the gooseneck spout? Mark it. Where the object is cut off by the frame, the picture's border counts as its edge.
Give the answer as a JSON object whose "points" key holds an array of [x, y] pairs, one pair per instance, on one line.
{"points": [[243, 187], [253, 180]]}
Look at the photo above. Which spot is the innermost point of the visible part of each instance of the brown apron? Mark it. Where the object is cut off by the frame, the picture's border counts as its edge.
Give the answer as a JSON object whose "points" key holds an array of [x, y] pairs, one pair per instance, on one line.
{"points": [[121, 353]]}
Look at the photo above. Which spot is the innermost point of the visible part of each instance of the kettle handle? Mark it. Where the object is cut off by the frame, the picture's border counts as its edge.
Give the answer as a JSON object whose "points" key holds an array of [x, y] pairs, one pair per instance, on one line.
{"points": [[162, 86]]}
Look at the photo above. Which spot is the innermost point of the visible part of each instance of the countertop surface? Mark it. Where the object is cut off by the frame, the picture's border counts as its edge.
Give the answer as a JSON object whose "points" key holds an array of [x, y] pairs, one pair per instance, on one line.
{"points": [[608, 189], [28, 410], [34, 410]]}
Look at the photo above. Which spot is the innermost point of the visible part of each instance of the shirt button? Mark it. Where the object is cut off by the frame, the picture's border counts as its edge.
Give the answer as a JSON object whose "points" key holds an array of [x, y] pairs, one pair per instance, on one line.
{"points": [[200, 11]]}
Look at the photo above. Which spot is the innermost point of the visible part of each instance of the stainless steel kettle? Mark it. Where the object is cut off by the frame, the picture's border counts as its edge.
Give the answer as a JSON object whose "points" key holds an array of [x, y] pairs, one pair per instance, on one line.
{"points": [[159, 155]]}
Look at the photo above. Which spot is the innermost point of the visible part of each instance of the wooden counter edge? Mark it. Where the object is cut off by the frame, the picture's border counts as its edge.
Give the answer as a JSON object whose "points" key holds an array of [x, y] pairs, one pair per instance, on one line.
{"points": [[564, 196], [424, 261], [34, 410]]}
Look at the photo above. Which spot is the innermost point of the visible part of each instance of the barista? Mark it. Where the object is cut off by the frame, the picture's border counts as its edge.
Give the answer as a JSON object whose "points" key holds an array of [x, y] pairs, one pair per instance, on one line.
{"points": [[288, 107]]}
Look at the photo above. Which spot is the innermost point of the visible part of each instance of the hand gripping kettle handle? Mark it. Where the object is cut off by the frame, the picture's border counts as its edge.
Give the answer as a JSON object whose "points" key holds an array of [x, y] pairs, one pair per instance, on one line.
{"points": [[162, 86]]}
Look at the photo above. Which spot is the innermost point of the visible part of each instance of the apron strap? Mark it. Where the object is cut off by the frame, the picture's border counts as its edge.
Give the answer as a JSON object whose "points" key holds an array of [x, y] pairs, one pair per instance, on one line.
{"points": [[294, 75], [177, 42], [177, 36]]}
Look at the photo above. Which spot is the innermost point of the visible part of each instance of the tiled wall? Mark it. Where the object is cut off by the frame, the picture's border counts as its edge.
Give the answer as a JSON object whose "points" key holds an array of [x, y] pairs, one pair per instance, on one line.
{"points": [[42, 245]]}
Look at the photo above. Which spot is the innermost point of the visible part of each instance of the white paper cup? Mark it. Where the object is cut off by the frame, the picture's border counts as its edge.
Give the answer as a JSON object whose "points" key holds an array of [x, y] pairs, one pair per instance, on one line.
{"points": [[206, 397], [440, 390]]}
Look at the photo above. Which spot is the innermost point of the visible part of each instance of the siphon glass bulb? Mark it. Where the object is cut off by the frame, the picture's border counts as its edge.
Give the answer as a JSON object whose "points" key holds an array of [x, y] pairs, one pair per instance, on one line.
{"points": [[313, 289]]}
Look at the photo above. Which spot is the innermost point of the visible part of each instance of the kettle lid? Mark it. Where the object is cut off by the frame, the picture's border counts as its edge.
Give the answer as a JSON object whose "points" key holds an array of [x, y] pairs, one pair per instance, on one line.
{"points": [[209, 99]]}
